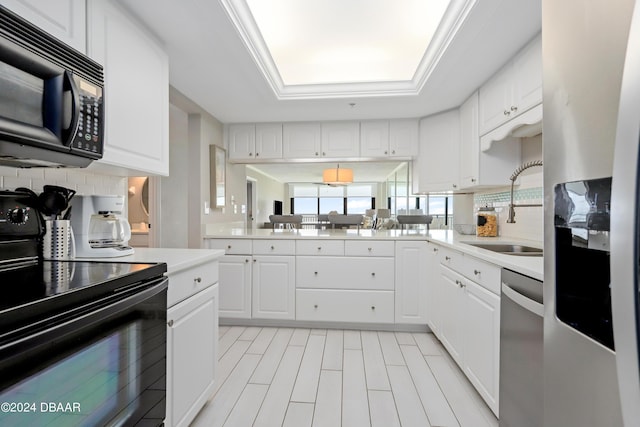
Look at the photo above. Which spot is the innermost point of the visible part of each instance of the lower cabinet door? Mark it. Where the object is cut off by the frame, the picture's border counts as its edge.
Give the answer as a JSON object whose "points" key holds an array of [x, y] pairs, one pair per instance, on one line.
{"points": [[411, 287], [192, 344], [452, 314], [273, 290], [235, 286], [482, 342], [344, 305]]}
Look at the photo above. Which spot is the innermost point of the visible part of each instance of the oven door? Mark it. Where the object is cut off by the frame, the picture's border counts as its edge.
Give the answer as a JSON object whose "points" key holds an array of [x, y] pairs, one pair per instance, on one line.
{"points": [[105, 364]]}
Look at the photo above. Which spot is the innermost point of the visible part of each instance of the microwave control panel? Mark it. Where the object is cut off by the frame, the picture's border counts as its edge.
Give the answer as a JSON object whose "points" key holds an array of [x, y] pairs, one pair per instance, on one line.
{"points": [[90, 131]]}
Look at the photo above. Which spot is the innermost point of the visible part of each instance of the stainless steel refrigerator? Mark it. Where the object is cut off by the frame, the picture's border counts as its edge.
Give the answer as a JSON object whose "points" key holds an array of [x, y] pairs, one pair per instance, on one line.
{"points": [[583, 46], [625, 231]]}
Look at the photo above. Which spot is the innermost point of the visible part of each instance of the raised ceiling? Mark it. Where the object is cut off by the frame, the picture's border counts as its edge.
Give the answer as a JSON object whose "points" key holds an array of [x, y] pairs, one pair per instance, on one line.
{"points": [[211, 64]]}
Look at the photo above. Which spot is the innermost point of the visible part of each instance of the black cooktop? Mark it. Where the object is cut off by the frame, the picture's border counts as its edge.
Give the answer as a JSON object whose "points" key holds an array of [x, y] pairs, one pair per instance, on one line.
{"points": [[37, 290]]}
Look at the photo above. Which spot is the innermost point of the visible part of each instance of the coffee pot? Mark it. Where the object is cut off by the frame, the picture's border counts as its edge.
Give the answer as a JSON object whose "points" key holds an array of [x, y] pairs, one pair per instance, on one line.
{"points": [[99, 227]]}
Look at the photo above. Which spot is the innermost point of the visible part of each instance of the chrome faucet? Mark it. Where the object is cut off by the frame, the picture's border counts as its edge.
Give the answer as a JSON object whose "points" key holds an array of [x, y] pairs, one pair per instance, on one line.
{"points": [[513, 177]]}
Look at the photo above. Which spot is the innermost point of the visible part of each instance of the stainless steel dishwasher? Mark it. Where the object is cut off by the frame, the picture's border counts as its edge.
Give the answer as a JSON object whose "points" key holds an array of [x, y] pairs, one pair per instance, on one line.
{"points": [[521, 341]]}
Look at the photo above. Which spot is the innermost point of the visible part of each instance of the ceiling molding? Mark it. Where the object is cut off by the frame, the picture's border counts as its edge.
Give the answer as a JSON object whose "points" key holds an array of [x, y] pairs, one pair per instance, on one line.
{"points": [[240, 15]]}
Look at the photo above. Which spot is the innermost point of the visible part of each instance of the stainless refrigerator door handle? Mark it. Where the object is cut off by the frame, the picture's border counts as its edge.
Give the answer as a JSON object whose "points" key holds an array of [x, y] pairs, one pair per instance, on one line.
{"points": [[524, 302]]}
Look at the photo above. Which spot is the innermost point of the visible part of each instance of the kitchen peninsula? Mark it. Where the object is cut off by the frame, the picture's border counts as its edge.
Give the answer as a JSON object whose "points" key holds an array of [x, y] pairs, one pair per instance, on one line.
{"points": [[374, 279]]}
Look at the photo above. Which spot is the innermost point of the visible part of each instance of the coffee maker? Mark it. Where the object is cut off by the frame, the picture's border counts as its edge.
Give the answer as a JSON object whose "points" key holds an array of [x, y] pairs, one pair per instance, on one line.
{"points": [[99, 228]]}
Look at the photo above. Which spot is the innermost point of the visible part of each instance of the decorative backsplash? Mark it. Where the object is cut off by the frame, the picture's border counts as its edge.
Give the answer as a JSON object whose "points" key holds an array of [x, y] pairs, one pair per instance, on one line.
{"points": [[81, 180], [529, 220], [505, 196]]}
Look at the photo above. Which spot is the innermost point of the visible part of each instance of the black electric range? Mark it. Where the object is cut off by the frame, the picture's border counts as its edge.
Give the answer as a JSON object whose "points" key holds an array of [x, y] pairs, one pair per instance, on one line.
{"points": [[86, 336], [32, 288]]}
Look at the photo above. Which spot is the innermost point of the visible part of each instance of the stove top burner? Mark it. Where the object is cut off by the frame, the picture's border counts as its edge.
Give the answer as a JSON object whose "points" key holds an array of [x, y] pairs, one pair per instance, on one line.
{"points": [[39, 289]]}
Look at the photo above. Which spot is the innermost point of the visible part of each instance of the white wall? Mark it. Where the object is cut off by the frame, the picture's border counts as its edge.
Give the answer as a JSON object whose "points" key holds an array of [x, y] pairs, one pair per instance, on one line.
{"points": [[267, 190], [84, 182]]}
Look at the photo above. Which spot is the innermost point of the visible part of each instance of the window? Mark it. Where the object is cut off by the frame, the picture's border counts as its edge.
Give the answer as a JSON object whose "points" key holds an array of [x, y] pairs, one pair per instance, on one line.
{"points": [[308, 199]]}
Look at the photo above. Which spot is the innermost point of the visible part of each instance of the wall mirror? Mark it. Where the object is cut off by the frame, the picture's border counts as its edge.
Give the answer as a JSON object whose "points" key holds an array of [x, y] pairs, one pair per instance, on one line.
{"points": [[217, 173]]}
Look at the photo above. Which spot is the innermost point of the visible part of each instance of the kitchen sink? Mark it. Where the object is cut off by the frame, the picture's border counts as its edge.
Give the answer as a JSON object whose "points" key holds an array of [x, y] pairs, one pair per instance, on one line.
{"points": [[508, 249]]}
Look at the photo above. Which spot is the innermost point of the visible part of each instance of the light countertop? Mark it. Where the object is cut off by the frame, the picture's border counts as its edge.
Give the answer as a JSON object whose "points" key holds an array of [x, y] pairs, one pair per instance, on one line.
{"points": [[532, 266], [176, 259]]}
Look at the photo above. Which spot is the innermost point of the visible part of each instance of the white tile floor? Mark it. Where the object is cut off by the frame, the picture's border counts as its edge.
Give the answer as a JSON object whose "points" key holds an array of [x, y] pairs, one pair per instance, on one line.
{"points": [[318, 377]]}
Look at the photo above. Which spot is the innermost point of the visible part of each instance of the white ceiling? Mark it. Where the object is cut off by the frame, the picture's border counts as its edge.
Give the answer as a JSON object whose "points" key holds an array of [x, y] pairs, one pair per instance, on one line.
{"points": [[210, 64]]}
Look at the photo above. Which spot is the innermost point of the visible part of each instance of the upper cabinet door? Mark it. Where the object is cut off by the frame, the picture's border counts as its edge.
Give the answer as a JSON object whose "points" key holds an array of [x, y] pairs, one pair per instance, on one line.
{"points": [[301, 141], [242, 142], [63, 19], [374, 138], [340, 139], [469, 142], [527, 68], [268, 141], [438, 162], [496, 99], [403, 138], [136, 90]]}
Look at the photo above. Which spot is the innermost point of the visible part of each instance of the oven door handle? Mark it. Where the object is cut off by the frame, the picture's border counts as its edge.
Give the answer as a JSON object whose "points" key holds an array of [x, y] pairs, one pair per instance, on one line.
{"points": [[41, 339]]}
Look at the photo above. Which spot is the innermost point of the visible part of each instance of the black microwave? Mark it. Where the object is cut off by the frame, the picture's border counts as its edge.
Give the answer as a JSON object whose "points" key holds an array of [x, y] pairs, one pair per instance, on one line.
{"points": [[51, 99]]}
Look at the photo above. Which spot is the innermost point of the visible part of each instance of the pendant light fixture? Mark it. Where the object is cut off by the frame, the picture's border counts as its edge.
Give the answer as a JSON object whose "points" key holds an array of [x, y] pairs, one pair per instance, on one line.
{"points": [[337, 176]]}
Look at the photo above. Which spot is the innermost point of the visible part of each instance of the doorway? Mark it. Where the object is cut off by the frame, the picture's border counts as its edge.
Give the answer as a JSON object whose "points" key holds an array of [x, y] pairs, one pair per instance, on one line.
{"points": [[251, 203]]}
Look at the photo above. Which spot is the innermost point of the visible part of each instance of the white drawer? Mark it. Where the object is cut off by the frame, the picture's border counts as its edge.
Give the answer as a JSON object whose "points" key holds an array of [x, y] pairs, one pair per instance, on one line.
{"points": [[189, 282], [274, 247], [369, 248], [231, 246], [450, 258], [345, 273], [483, 273], [344, 305], [320, 247]]}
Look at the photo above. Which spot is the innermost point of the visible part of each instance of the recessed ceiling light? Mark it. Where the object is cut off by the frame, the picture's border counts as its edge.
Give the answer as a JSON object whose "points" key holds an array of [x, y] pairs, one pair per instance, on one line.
{"points": [[327, 47]]}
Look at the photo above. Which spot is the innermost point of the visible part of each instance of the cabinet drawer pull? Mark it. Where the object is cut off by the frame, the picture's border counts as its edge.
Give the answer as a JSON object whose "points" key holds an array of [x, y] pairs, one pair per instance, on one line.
{"points": [[514, 108], [316, 153], [250, 154], [435, 249], [386, 152], [373, 307], [476, 272], [315, 273], [447, 258], [324, 154], [506, 113], [319, 248], [170, 323], [272, 248], [315, 306], [393, 151], [229, 247], [246, 260], [257, 154], [254, 260], [369, 249], [198, 279], [473, 180], [373, 274]]}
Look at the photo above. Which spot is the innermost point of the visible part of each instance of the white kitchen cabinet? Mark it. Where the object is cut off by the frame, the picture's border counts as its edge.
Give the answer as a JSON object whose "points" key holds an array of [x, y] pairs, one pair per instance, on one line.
{"points": [[192, 339], [249, 142], [452, 315], [235, 286], [344, 305], [437, 164], [241, 141], [136, 68], [514, 89], [324, 272], [482, 341], [63, 19], [433, 285], [301, 141], [470, 319], [403, 138], [340, 139], [273, 287], [411, 287], [374, 138], [489, 168]]}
